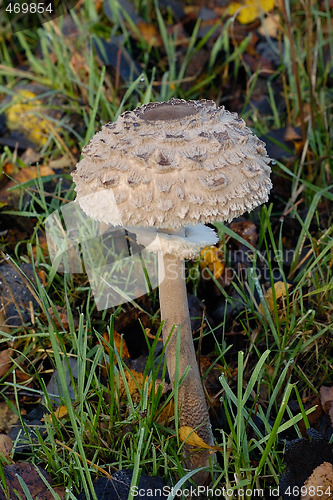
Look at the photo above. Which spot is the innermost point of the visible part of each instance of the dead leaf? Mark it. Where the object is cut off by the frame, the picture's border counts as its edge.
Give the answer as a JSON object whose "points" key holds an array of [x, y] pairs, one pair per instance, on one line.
{"points": [[189, 435], [135, 381], [5, 361], [211, 381], [167, 413], [33, 481], [280, 291], [7, 417], [292, 134], [248, 11], [247, 230], [60, 316], [22, 377], [80, 65], [30, 156], [119, 343], [26, 115], [59, 413], [326, 398], [28, 173], [149, 33], [270, 26], [212, 258], [23, 175], [320, 484], [313, 418], [6, 445]]}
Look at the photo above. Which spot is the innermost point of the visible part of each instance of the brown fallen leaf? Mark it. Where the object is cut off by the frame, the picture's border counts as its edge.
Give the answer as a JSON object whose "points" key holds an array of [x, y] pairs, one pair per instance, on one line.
{"points": [[7, 417], [135, 382], [211, 381], [247, 230], [58, 315], [313, 418], [21, 176], [292, 134], [33, 481], [326, 399], [5, 361], [119, 343], [6, 445], [149, 33], [166, 414], [189, 435]]}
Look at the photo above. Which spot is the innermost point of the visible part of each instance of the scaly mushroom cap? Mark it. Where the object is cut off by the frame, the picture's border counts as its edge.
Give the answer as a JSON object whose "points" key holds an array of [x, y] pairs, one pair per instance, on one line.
{"points": [[173, 164]]}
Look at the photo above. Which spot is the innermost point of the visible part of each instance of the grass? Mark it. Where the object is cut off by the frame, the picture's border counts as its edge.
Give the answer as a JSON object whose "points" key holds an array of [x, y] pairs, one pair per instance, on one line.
{"points": [[280, 351]]}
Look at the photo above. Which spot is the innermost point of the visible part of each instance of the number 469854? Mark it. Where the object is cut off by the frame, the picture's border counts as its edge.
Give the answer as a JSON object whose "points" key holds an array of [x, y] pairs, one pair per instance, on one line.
{"points": [[313, 491], [31, 8]]}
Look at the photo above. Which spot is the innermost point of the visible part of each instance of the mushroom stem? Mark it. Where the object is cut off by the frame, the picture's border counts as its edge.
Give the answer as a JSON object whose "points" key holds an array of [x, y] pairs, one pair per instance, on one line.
{"points": [[191, 398]]}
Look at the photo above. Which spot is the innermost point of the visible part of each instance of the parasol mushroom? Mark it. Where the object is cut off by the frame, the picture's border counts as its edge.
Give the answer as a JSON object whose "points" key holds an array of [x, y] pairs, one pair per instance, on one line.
{"points": [[169, 168]]}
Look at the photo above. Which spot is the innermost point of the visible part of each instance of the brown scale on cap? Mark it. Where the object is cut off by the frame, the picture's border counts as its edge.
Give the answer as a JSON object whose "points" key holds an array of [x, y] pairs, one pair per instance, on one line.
{"points": [[179, 157]]}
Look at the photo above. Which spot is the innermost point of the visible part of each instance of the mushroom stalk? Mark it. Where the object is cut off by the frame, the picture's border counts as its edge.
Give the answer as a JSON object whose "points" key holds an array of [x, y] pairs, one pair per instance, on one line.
{"points": [[192, 402]]}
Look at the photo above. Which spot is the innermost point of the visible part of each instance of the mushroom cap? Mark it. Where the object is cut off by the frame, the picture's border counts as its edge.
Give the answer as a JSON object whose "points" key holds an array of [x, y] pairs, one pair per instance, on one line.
{"points": [[172, 164]]}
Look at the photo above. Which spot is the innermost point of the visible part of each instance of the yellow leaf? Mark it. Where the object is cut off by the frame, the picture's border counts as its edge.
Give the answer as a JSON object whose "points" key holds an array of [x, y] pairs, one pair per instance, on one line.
{"points": [[59, 412], [212, 257], [250, 10], [189, 435], [25, 114], [280, 290], [218, 268], [208, 255]]}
